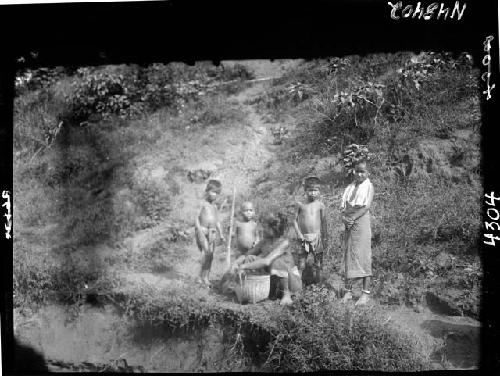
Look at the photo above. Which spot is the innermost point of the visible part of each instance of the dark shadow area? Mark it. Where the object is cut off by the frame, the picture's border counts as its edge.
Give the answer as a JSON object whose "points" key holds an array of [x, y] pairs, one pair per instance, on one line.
{"points": [[461, 342], [440, 306], [145, 333], [27, 359], [84, 176], [286, 30], [86, 207]]}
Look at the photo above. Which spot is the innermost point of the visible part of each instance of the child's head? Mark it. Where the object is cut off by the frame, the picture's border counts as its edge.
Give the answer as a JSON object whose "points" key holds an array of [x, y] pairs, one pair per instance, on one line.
{"points": [[247, 210], [275, 225], [360, 172], [312, 186], [213, 189]]}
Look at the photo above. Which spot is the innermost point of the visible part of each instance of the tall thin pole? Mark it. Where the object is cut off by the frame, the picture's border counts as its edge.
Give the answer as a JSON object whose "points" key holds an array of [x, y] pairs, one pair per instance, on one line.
{"points": [[230, 230]]}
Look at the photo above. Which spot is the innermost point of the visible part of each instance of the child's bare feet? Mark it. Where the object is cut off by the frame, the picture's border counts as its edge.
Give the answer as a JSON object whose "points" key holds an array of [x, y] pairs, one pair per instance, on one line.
{"points": [[347, 297], [286, 299], [363, 299]]}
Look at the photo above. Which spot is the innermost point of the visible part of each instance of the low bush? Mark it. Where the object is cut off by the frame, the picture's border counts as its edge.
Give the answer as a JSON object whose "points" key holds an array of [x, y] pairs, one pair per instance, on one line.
{"points": [[40, 78], [37, 121], [319, 333], [358, 100], [432, 214], [32, 275], [42, 275], [315, 333], [128, 91]]}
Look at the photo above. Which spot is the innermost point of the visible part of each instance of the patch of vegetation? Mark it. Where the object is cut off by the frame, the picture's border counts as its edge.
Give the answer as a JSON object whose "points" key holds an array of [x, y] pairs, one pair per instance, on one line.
{"points": [[42, 275], [426, 203], [128, 91], [318, 333], [315, 333]]}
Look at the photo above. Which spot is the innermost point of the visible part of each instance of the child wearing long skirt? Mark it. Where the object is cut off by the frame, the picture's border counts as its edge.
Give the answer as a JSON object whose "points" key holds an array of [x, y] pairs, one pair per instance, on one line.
{"points": [[355, 208]]}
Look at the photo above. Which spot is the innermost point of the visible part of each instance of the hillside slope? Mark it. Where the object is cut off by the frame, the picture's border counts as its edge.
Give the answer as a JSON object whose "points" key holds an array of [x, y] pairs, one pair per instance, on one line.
{"points": [[263, 140]]}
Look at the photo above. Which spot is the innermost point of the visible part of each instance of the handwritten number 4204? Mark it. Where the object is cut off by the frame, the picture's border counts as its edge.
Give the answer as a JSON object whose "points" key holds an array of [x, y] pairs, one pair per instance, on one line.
{"points": [[494, 215]]}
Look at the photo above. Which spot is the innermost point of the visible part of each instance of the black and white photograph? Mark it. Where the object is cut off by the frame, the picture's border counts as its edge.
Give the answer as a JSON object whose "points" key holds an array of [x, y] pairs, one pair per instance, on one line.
{"points": [[246, 205]]}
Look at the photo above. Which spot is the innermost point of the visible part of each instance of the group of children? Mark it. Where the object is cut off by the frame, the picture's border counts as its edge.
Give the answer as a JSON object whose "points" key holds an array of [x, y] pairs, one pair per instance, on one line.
{"points": [[268, 249]]}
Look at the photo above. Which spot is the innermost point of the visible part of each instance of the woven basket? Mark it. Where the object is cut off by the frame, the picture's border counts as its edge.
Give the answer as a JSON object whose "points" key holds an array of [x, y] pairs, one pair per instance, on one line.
{"points": [[254, 288]]}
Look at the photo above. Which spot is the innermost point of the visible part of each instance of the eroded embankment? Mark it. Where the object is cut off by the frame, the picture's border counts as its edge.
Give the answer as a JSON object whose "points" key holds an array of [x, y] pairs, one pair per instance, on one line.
{"points": [[151, 330], [97, 338]]}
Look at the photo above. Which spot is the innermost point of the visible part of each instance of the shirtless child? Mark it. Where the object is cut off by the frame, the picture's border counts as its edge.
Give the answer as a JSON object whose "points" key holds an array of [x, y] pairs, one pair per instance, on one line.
{"points": [[246, 230], [207, 226], [311, 228]]}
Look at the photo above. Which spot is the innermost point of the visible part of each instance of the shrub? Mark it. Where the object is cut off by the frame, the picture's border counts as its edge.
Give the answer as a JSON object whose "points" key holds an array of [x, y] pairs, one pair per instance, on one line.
{"points": [[315, 333], [104, 92], [127, 91], [357, 100], [154, 202], [41, 275], [235, 72], [439, 219], [32, 275], [318, 333], [40, 78], [37, 121]]}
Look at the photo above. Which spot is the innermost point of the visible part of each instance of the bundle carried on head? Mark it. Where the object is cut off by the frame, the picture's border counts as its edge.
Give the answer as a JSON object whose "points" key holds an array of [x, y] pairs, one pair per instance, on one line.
{"points": [[352, 155]]}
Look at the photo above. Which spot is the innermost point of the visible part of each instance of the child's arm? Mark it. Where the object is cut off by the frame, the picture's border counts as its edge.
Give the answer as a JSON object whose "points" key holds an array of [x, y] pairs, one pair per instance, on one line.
{"points": [[217, 225], [197, 220], [296, 223], [324, 224], [256, 237], [260, 233], [266, 261], [362, 210], [235, 265]]}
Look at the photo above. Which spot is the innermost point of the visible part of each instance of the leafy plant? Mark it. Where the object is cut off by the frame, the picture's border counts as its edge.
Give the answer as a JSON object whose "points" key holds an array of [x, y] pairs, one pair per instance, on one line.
{"points": [[37, 122], [318, 333], [128, 91]]}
